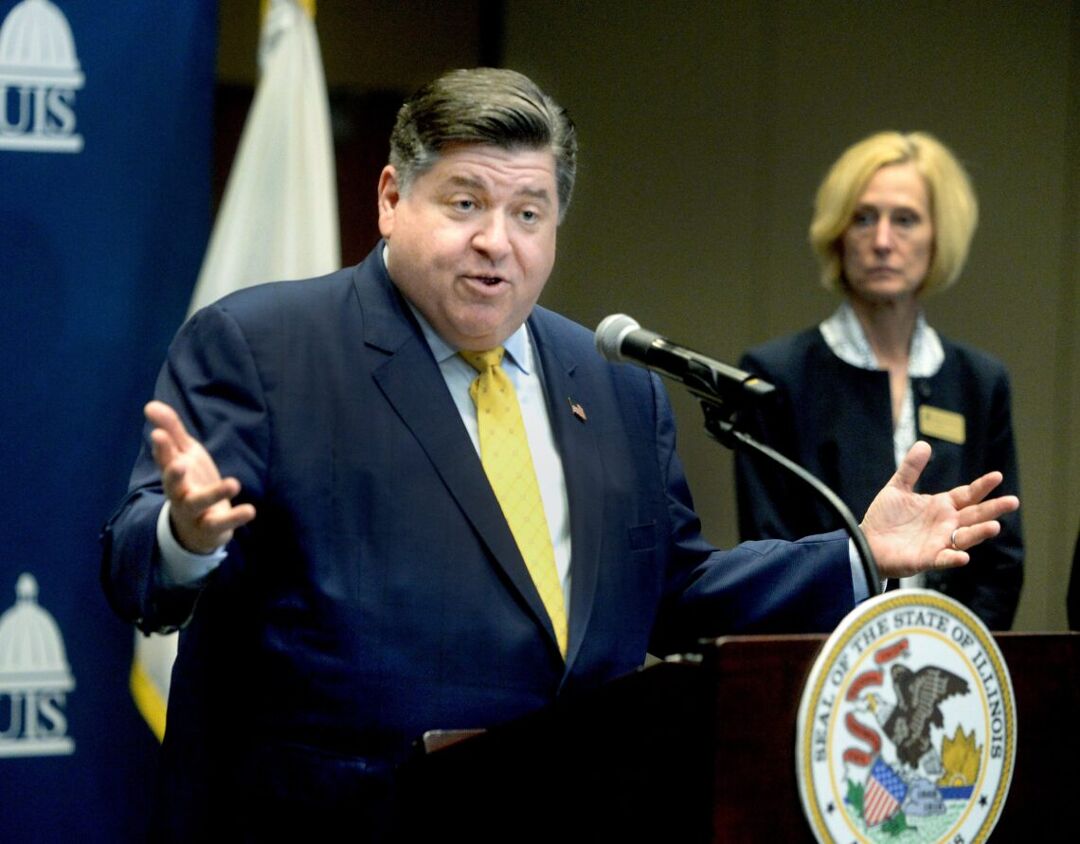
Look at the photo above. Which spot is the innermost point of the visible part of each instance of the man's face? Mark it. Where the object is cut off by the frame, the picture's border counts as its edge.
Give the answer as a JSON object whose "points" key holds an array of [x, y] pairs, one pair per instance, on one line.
{"points": [[889, 243], [472, 240]]}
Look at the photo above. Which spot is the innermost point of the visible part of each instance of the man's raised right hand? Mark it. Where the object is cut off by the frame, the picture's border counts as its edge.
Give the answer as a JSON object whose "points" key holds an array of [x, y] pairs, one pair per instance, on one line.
{"points": [[201, 513]]}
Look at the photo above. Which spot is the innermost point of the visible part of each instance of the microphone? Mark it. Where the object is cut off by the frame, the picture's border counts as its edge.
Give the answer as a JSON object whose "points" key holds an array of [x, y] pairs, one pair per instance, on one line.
{"points": [[621, 339]]}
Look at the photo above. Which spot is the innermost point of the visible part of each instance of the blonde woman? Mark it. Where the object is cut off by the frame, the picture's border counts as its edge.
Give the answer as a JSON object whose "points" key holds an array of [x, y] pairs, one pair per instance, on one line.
{"points": [[892, 224]]}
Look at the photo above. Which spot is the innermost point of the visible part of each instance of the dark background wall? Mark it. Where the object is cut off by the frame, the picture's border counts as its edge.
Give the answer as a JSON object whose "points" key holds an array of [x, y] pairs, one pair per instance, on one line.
{"points": [[705, 128]]}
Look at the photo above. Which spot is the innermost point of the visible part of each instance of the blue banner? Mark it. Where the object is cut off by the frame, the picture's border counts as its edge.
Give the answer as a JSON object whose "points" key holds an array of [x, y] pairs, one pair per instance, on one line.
{"points": [[105, 141]]}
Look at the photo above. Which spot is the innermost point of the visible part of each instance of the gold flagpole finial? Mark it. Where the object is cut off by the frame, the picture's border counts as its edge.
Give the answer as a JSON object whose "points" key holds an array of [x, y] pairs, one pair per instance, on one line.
{"points": [[307, 5]]}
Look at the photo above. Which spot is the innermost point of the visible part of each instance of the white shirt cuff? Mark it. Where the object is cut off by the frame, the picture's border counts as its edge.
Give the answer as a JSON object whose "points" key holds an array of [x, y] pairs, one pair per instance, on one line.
{"points": [[859, 586], [180, 567]]}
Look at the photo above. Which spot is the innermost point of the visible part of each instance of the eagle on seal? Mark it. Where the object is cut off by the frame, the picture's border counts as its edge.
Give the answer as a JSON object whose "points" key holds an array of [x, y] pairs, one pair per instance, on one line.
{"points": [[918, 694]]}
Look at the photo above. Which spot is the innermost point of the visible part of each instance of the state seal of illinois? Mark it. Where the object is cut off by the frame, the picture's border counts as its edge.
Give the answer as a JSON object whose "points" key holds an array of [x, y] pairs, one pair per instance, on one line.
{"points": [[907, 725]]}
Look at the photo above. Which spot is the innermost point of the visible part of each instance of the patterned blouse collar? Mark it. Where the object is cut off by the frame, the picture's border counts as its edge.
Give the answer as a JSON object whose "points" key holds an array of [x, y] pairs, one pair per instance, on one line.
{"points": [[845, 337]]}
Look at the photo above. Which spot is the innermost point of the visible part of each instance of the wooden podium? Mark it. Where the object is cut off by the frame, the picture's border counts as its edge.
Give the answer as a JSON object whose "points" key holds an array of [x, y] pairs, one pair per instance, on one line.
{"points": [[704, 751]]}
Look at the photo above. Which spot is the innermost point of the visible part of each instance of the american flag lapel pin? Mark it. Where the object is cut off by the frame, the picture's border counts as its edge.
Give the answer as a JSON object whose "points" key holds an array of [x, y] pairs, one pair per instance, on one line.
{"points": [[576, 409]]}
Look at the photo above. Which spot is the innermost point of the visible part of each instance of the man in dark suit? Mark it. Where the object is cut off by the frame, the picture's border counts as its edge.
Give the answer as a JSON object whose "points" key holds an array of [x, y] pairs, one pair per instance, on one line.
{"points": [[384, 587]]}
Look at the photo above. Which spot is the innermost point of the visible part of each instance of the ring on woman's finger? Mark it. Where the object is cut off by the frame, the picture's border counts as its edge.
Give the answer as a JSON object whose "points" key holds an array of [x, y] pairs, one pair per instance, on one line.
{"points": [[952, 540]]}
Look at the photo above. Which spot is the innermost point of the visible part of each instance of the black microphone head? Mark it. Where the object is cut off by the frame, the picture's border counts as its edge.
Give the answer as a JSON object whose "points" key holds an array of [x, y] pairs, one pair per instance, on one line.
{"points": [[610, 334]]}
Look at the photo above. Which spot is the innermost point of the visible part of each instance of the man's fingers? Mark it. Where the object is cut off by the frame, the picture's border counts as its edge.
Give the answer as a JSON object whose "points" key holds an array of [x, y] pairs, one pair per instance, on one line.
{"points": [[163, 448], [969, 537], [172, 479], [975, 491], [226, 521], [163, 417], [209, 529], [206, 520], [987, 511], [202, 514], [966, 538], [206, 497], [907, 475], [950, 559]]}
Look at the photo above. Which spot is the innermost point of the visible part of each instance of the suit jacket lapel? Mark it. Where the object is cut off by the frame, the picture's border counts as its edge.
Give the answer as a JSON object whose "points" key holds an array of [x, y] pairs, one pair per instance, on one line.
{"points": [[413, 385], [582, 469]]}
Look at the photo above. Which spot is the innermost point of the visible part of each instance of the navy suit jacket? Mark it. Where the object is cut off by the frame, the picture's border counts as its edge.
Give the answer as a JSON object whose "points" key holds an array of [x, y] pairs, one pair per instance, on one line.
{"points": [[835, 420], [379, 593]]}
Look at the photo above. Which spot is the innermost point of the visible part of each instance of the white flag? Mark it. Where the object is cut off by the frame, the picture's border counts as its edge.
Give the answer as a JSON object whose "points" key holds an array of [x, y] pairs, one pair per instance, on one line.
{"points": [[278, 220]]}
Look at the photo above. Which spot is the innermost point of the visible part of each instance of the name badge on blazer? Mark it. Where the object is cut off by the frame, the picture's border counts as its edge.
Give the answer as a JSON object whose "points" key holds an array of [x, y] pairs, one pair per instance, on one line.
{"points": [[946, 425]]}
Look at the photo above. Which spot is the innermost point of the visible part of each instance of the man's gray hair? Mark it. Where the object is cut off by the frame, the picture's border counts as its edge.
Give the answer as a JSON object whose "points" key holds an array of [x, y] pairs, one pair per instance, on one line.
{"points": [[485, 105]]}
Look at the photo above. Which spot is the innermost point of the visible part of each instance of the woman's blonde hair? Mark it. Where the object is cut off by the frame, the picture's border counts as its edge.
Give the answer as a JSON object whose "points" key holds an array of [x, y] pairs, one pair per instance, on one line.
{"points": [[954, 210]]}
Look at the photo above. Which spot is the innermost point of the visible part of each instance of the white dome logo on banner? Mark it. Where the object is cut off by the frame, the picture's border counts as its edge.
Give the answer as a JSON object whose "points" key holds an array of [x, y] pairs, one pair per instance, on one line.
{"points": [[34, 679], [39, 75]]}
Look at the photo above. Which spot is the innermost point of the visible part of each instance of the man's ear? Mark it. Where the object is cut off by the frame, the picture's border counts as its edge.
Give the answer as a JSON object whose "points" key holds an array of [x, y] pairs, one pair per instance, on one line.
{"points": [[389, 195]]}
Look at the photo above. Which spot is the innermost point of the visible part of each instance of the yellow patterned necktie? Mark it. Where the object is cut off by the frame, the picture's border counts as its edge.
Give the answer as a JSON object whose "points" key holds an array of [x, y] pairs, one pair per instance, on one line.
{"points": [[504, 451]]}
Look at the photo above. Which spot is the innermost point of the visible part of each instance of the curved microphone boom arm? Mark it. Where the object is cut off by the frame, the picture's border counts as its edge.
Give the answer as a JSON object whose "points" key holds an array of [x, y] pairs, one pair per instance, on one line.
{"points": [[721, 423]]}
